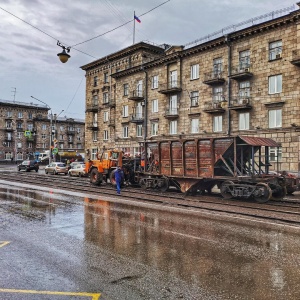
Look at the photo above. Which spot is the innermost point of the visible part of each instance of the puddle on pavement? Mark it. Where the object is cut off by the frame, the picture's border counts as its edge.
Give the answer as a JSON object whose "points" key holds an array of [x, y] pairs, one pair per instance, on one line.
{"points": [[231, 260]]}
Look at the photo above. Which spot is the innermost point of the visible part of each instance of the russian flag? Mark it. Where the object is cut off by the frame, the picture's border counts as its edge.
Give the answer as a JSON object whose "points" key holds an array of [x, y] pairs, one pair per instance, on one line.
{"points": [[137, 19]]}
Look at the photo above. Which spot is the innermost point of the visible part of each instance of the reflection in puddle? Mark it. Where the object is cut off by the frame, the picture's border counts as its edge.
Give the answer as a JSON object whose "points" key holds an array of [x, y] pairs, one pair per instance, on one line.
{"points": [[211, 254]]}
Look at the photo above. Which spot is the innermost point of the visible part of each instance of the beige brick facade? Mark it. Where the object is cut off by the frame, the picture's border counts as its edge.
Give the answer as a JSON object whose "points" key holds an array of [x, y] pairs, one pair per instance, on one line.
{"points": [[16, 118], [243, 83]]}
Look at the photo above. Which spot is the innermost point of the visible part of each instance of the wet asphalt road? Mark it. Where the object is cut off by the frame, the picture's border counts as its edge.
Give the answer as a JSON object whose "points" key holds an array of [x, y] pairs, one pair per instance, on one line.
{"points": [[55, 246]]}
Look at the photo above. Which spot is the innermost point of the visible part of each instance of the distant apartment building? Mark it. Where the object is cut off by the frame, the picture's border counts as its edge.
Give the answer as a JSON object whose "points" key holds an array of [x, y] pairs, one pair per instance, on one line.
{"points": [[25, 131], [244, 82]]}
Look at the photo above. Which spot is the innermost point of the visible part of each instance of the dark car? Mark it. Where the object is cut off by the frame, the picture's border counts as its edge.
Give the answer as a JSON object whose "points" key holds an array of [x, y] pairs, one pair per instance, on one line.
{"points": [[28, 165]]}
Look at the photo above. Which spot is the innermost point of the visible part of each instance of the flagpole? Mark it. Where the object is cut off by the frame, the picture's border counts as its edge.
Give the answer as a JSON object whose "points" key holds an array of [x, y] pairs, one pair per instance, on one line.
{"points": [[133, 27]]}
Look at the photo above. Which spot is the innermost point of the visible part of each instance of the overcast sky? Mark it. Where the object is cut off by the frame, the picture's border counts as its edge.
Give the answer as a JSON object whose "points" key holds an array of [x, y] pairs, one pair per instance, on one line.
{"points": [[28, 56]]}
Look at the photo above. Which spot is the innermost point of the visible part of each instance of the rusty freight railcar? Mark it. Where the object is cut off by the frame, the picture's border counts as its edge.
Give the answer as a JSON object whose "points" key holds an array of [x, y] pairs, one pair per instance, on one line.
{"points": [[238, 165]]}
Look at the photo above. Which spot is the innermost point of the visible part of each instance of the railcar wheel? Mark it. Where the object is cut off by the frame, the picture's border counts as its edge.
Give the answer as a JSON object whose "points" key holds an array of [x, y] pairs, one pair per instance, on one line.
{"points": [[95, 177], [265, 193], [279, 194], [225, 189], [143, 183], [165, 185]]}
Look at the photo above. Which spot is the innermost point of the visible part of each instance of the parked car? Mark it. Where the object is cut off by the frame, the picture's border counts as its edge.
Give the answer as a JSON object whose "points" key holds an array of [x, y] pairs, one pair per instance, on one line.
{"points": [[74, 163], [28, 165], [56, 168], [77, 170]]}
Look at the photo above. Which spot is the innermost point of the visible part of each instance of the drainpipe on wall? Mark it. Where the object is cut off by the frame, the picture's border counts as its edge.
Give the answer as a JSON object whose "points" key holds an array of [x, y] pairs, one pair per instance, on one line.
{"points": [[227, 41]]}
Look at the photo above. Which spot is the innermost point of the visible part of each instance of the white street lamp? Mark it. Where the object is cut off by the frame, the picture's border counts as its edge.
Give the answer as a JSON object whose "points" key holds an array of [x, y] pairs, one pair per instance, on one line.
{"points": [[51, 118]]}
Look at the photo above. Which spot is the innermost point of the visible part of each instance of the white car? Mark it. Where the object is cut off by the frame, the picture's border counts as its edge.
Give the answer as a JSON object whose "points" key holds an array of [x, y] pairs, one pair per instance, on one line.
{"points": [[77, 170]]}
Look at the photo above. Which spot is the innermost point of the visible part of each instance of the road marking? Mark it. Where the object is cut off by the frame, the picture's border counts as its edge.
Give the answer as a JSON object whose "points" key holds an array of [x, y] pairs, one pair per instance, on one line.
{"points": [[92, 295], [2, 243]]}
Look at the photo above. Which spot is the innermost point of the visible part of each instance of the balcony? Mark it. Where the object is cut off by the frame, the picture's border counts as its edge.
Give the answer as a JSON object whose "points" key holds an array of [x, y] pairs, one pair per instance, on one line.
{"points": [[241, 103], [171, 113], [295, 58], [241, 73], [8, 128], [169, 88], [112, 103], [214, 78], [214, 106], [31, 138], [71, 131], [137, 118], [92, 125], [92, 107], [136, 95]]}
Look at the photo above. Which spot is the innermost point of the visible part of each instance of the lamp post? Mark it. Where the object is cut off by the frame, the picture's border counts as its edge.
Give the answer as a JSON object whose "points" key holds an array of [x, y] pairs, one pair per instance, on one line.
{"points": [[16, 146], [55, 130], [51, 118], [63, 56]]}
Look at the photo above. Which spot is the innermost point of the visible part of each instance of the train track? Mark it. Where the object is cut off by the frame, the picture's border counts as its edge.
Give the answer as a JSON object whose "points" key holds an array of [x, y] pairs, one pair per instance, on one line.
{"points": [[283, 212]]}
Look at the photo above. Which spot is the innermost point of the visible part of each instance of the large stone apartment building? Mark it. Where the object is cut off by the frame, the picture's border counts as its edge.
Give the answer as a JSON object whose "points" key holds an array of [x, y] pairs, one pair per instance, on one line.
{"points": [[244, 82], [25, 132]]}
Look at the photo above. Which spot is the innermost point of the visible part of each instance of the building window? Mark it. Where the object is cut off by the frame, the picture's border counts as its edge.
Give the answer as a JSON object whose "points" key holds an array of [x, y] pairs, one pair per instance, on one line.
{"points": [[20, 115], [105, 116], [44, 127], [30, 145], [19, 125], [155, 106], [125, 111], [78, 129], [30, 127], [154, 82], [217, 67], [8, 155], [244, 60], [154, 128], [30, 116], [70, 139], [244, 121], [217, 94], [78, 138], [94, 136], [275, 118], [217, 125], [125, 131], [195, 98], [44, 145], [19, 145], [95, 99], [105, 98], [95, 80], [195, 125], [125, 89], [139, 130], [79, 146], [43, 135], [194, 72], [61, 145], [275, 50], [94, 154], [105, 135], [9, 114], [275, 84], [61, 128], [173, 127], [274, 153], [244, 91], [105, 77], [95, 119], [173, 79]]}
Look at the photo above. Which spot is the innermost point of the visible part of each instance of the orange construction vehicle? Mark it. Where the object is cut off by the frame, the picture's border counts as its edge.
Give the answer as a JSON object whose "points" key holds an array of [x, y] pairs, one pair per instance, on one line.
{"points": [[104, 167]]}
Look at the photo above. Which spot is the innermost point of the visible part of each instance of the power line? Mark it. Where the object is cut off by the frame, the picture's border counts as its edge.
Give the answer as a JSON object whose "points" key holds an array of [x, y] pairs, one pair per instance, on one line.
{"points": [[120, 25]]}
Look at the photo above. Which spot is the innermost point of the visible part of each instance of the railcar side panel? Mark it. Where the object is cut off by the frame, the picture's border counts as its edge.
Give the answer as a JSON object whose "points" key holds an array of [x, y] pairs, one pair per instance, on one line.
{"points": [[205, 166], [165, 163], [176, 159], [190, 159]]}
